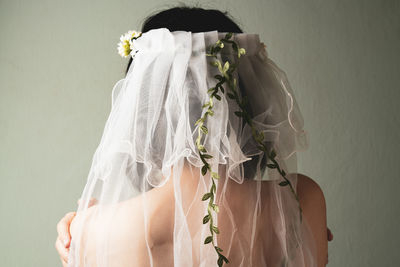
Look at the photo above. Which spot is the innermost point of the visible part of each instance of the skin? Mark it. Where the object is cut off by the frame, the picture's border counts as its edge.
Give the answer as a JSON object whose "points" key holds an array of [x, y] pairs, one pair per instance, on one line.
{"points": [[64, 236], [311, 200]]}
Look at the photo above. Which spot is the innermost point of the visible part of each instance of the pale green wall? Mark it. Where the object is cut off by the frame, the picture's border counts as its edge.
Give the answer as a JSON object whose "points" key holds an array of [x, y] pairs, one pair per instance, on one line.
{"points": [[58, 63]]}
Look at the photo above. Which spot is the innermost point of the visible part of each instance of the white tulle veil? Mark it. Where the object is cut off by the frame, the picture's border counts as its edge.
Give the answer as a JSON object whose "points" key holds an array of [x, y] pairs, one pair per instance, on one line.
{"points": [[157, 205]]}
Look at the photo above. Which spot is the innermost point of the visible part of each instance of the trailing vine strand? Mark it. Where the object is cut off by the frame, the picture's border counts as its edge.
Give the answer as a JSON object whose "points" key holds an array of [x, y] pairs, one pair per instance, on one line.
{"points": [[226, 70]]}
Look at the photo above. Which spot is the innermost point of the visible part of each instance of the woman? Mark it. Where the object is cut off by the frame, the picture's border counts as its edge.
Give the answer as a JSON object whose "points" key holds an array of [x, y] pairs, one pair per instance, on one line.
{"points": [[156, 244]]}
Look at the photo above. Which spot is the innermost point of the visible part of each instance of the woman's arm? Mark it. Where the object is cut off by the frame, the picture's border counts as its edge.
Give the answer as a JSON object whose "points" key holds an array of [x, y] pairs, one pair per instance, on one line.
{"points": [[312, 202], [64, 234], [64, 237]]}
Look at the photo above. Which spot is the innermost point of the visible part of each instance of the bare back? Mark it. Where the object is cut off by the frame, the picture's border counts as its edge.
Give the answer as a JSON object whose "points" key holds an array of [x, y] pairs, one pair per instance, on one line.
{"points": [[129, 219]]}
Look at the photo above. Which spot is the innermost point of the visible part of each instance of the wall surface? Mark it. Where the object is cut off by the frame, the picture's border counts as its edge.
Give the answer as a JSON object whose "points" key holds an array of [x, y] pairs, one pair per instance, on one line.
{"points": [[58, 64]]}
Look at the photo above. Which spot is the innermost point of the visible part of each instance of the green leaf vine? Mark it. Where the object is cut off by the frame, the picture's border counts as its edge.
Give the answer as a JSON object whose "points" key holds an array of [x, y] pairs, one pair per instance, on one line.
{"points": [[226, 70]]}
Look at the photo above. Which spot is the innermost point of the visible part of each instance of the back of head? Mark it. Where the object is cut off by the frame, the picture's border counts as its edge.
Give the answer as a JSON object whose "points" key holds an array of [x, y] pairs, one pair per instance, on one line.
{"points": [[193, 19]]}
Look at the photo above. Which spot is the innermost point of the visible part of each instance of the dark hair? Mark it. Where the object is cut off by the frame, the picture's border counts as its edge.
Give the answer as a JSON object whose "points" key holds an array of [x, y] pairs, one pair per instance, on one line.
{"points": [[193, 19]]}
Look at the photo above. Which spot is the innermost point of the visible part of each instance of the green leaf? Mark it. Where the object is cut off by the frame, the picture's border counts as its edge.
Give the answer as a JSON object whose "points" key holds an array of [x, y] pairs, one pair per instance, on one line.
{"points": [[201, 148], [216, 63], [214, 175], [208, 239], [283, 173], [217, 48], [234, 46], [207, 156], [220, 44], [211, 89], [272, 166], [205, 105], [206, 196], [204, 170], [220, 262], [220, 69], [218, 249], [234, 82], [231, 96], [273, 154], [222, 259], [215, 208], [199, 120], [206, 219], [219, 77], [284, 183], [259, 138], [210, 112], [217, 97], [228, 35], [226, 67], [215, 229], [204, 129], [203, 159]]}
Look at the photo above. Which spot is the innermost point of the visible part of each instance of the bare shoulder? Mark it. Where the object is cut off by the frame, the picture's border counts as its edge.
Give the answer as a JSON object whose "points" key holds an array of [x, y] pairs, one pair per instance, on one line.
{"points": [[308, 189], [312, 202]]}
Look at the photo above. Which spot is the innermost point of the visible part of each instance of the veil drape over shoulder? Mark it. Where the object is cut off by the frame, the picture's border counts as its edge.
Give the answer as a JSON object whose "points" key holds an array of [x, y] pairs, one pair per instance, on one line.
{"points": [[157, 205]]}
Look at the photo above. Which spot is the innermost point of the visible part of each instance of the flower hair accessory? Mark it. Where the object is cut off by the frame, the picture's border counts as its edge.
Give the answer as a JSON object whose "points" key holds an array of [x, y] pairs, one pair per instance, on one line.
{"points": [[126, 46]]}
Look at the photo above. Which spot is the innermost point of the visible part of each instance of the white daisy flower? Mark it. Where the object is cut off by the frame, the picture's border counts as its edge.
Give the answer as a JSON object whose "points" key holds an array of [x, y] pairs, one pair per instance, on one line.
{"points": [[125, 46]]}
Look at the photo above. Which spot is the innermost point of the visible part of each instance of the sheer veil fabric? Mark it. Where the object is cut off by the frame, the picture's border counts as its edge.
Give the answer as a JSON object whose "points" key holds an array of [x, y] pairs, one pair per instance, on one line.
{"points": [[146, 172]]}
